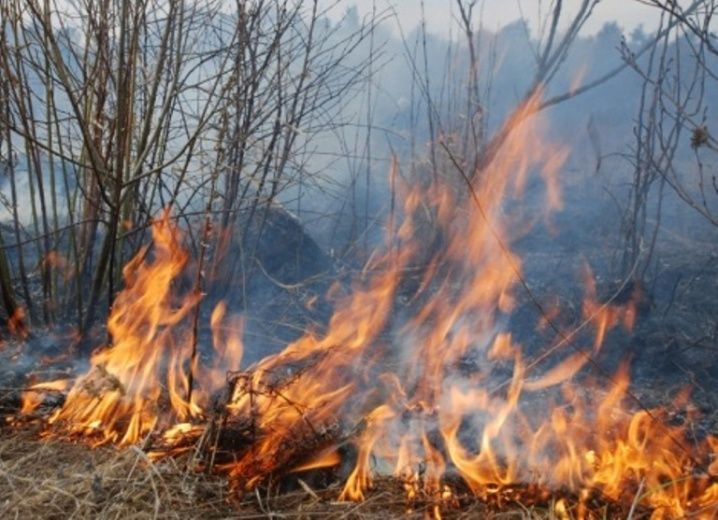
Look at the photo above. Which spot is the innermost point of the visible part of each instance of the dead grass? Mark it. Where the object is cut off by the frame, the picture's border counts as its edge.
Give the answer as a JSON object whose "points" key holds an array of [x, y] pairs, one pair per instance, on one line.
{"points": [[54, 479], [62, 480]]}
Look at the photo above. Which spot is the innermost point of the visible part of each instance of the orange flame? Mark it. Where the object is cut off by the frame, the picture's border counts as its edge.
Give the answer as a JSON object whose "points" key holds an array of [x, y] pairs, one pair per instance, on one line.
{"points": [[121, 398], [414, 359], [34, 396]]}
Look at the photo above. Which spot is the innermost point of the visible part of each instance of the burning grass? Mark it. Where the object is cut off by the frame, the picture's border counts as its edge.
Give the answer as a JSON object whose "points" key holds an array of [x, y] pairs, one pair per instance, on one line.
{"points": [[62, 480], [415, 377]]}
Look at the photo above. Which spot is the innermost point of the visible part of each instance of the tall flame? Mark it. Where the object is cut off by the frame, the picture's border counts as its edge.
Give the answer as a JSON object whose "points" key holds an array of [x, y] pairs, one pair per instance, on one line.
{"points": [[140, 383], [414, 367]]}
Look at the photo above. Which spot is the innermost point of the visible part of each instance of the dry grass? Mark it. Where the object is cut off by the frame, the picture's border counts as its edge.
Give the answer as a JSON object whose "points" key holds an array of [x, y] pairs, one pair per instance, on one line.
{"points": [[62, 480], [54, 479]]}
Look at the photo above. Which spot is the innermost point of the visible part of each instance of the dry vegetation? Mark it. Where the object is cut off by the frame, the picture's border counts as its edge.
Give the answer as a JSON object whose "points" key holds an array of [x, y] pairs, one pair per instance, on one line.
{"points": [[59, 480], [212, 112], [62, 480]]}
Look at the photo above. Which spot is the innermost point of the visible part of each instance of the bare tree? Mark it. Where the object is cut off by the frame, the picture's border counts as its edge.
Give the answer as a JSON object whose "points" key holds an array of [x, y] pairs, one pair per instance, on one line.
{"points": [[112, 110], [677, 74], [693, 73]]}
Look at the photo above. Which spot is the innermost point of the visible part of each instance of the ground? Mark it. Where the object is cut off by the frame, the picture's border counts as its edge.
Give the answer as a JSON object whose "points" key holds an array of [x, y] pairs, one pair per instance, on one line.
{"points": [[60, 480]]}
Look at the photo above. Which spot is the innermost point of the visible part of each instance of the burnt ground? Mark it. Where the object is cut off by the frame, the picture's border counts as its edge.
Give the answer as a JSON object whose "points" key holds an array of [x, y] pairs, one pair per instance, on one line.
{"points": [[674, 344]]}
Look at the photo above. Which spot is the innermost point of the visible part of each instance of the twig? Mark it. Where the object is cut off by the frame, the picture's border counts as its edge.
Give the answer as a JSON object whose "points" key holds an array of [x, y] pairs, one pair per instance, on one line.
{"points": [[636, 499]]}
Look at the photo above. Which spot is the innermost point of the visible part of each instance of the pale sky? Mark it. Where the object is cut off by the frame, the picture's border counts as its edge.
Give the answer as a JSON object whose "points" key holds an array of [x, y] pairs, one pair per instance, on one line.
{"points": [[497, 13]]}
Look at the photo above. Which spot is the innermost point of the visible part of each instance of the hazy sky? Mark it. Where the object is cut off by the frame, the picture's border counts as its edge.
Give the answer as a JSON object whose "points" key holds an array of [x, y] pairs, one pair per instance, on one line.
{"points": [[497, 13]]}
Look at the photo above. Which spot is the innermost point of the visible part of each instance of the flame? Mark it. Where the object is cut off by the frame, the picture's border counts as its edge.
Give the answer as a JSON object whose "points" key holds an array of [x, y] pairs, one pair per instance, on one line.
{"points": [[326, 459], [608, 315], [228, 346], [414, 366], [34, 396], [140, 383], [360, 478]]}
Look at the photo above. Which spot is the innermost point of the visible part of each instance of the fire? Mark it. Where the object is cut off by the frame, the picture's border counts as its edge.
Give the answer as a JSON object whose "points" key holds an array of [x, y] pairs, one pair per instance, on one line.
{"points": [[605, 317], [34, 396], [415, 368], [140, 384]]}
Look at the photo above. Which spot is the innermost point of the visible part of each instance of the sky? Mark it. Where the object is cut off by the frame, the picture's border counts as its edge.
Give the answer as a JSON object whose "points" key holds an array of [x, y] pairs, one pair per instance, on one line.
{"points": [[496, 13]]}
